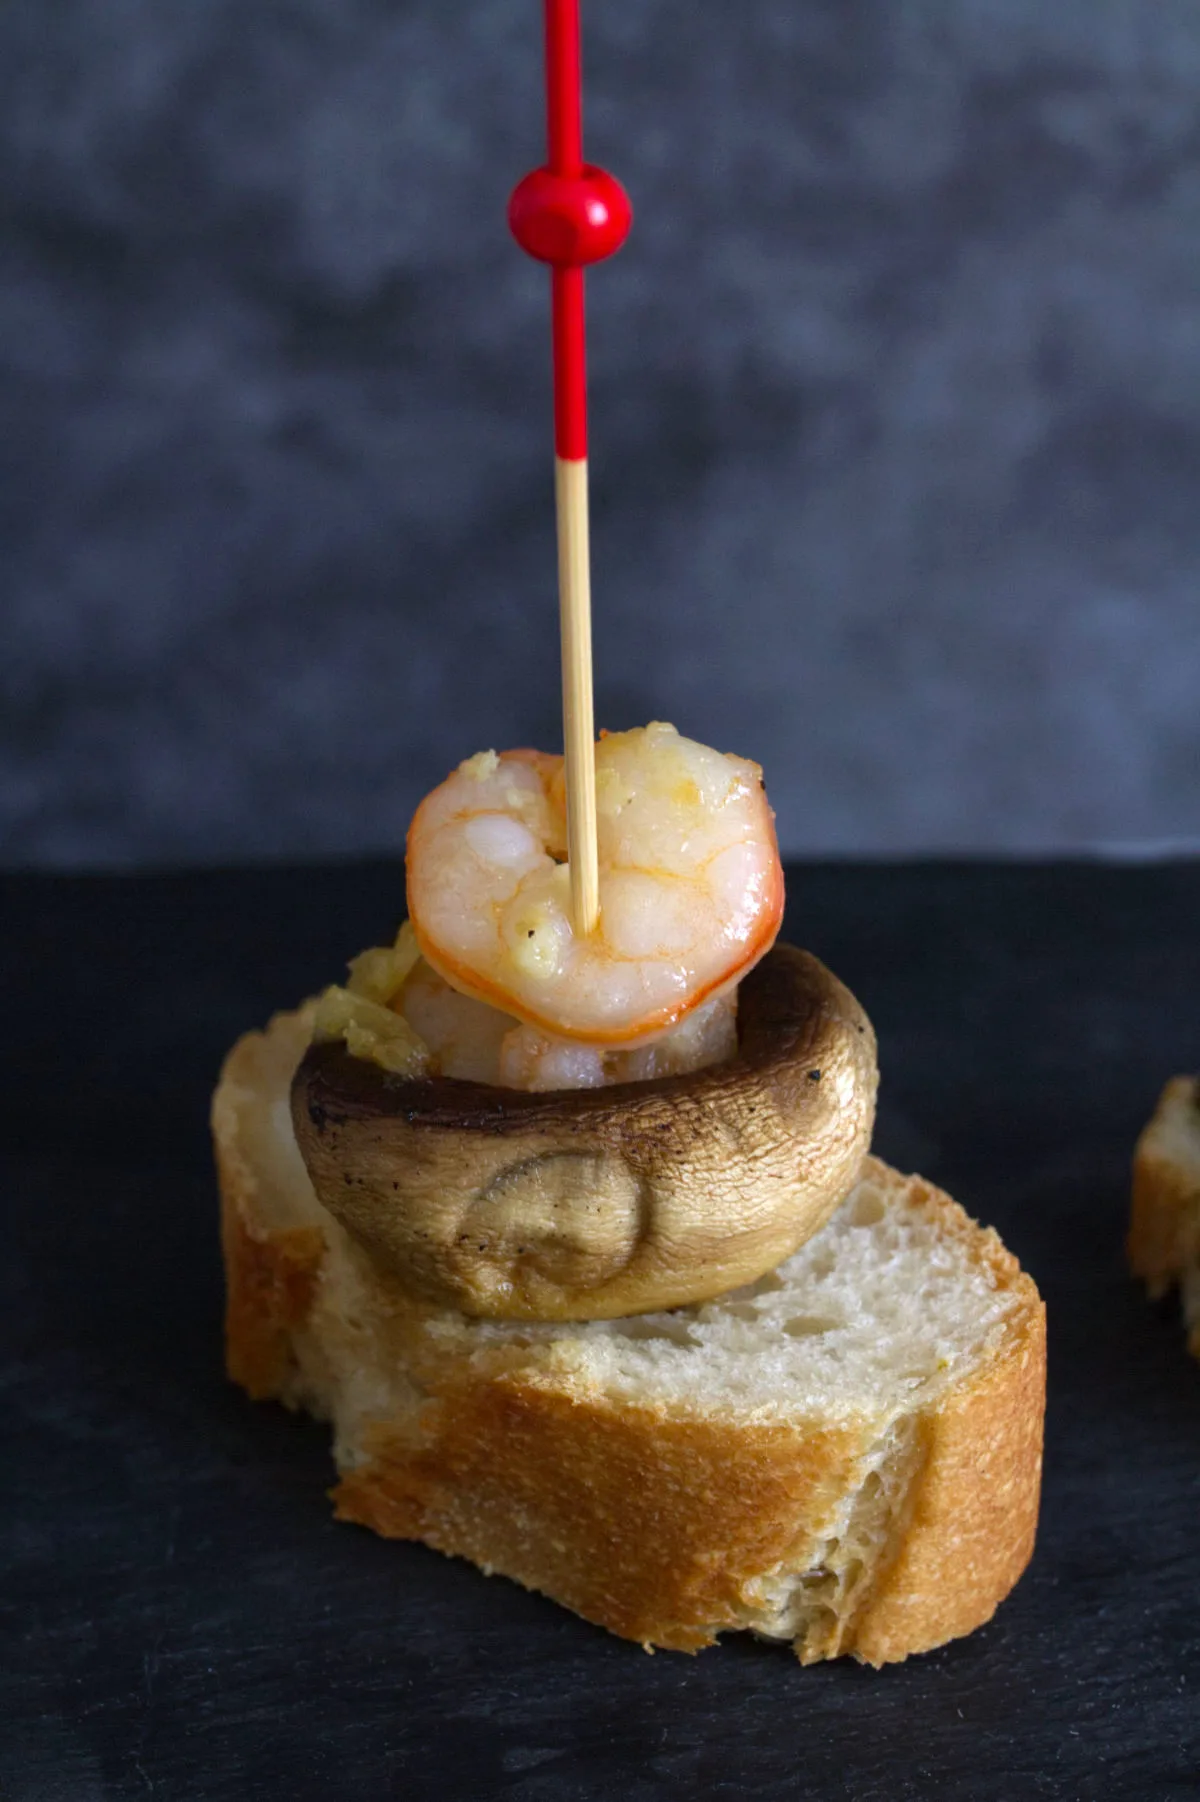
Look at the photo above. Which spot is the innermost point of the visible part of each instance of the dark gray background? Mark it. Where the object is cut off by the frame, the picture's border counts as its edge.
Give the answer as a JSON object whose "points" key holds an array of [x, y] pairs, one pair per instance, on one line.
{"points": [[896, 414]]}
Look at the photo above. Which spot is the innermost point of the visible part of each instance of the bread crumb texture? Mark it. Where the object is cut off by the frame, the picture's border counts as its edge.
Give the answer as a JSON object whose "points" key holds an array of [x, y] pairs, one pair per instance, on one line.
{"points": [[1164, 1233], [845, 1454]]}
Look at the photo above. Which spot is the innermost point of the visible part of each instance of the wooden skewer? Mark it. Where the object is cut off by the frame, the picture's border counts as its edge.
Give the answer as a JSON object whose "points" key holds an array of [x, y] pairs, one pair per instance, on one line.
{"points": [[579, 727], [569, 214]]}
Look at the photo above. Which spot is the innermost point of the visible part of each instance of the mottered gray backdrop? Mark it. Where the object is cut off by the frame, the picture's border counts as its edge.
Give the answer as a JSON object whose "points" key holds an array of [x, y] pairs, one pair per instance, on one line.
{"points": [[896, 414]]}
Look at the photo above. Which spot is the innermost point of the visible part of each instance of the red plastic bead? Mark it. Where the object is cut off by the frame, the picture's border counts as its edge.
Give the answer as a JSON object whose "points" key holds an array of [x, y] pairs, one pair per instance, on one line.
{"points": [[570, 220]]}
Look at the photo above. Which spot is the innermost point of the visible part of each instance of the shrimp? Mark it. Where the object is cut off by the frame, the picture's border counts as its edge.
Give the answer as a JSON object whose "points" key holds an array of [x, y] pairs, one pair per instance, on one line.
{"points": [[473, 1042], [464, 1036], [531, 1059], [691, 888]]}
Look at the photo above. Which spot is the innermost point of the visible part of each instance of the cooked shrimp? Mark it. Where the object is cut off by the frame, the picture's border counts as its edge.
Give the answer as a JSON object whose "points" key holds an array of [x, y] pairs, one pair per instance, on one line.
{"points": [[532, 1059], [691, 889], [708, 1035], [469, 1040], [464, 1036]]}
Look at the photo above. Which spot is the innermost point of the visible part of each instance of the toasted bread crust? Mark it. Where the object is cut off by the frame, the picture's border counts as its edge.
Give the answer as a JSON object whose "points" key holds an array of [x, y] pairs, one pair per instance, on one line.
{"points": [[269, 1286], [541, 1486], [270, 1276], [973, 1525], [1164, 1226], [1166, 1195], [660, 1526]]}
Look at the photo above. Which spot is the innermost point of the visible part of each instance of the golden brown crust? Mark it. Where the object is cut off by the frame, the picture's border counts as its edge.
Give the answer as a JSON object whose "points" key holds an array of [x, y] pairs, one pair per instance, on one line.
{"points": [[540, 1485], [270, 1276], [974, 1518], [1164, 1227], [269, 1287]]}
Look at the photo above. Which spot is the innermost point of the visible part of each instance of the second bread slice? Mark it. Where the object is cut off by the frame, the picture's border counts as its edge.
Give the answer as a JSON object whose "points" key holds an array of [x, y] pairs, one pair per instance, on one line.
{"points": [[1164, 1231]]}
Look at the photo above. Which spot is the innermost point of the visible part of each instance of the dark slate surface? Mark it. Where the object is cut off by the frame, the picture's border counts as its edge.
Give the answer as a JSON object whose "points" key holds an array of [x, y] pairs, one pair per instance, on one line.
{"points": [[184, 1620], [896, 407]]}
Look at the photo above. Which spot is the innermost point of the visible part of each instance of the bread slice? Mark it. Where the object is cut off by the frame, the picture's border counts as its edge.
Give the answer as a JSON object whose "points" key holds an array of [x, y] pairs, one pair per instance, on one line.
{"points": [[845, 1454], [1164, 1232]]}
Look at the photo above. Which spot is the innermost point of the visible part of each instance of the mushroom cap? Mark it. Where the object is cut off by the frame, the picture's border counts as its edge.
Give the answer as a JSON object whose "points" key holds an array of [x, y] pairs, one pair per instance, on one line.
{"points": [[586, 1204]]}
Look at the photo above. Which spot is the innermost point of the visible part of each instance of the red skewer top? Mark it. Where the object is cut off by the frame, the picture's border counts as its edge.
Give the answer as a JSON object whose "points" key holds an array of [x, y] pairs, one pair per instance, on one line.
{"points": [[568, 214], [564, 87]]}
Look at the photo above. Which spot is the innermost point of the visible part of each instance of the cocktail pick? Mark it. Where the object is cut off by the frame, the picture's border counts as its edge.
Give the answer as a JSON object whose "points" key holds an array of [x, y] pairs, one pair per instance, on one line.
{"points": [[569, 214]]}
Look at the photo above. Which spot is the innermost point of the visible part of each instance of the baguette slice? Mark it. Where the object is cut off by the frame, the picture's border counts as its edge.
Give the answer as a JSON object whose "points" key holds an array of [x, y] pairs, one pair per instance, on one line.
{"points": [[845, 1454], [1164, 1232]]}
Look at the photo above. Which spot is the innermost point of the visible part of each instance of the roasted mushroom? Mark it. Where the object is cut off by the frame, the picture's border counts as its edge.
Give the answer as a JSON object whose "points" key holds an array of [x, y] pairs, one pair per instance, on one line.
{"points": [[592, 1203]]}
